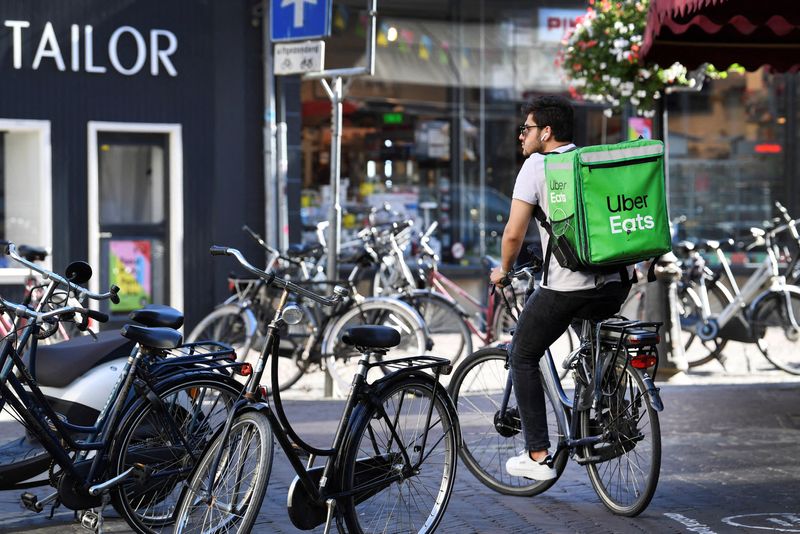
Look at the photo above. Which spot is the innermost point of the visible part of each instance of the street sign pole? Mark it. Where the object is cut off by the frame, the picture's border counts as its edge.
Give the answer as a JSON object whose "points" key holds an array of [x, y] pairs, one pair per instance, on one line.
{"points": [[336, 94]]}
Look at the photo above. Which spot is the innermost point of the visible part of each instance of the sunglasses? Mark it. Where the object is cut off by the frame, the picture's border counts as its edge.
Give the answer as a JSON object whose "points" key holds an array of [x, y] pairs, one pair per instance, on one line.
{"points": [[525, 127]]}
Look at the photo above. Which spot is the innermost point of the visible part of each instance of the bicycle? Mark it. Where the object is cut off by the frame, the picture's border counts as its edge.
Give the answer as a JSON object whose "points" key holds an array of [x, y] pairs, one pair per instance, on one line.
{"points": [[316, 339], [395, 434], [610, 425], [160, 414], [764, 311]]}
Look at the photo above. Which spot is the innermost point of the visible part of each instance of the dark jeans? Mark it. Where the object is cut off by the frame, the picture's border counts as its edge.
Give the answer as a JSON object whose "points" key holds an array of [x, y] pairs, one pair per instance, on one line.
{"points": [[547, 315]]}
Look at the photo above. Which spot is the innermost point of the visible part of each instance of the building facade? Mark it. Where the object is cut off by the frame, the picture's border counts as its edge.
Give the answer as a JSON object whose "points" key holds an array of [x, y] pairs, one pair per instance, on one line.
{"points": [[132, 133]]}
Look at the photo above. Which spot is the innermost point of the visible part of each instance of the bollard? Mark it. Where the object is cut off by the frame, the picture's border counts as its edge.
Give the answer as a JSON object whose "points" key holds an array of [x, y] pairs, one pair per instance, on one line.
{"points": [[661, 299]]}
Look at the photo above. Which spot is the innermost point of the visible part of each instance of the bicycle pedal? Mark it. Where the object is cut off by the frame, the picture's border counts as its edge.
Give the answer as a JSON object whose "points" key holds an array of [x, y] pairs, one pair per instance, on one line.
{"points": [[29, 501], [91, 520]]}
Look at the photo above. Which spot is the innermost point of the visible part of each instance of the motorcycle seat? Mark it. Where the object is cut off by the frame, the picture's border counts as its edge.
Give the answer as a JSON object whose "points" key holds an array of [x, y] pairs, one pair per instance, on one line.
{"points": [[60, 364], [158, 315], [153, 337]]}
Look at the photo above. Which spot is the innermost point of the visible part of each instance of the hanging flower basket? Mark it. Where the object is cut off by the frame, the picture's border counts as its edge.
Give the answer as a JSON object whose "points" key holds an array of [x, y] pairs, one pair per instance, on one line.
{"points": [[600, 58]]}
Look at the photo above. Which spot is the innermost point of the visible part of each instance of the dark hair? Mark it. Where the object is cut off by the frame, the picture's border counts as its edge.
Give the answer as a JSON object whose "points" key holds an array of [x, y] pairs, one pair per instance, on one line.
{"points": [[553, 111]]}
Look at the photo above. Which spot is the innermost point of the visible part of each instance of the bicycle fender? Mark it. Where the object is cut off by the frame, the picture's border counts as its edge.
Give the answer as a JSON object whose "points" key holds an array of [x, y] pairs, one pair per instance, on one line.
{"points": [[779, 290], [652, 393]]}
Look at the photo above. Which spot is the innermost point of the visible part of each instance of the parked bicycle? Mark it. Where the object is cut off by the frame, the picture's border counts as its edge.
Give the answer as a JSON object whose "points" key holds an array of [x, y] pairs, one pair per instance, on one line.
{"points": [[163, 410], [764, 311], [316, 339], [393, 460], [609, 425]]}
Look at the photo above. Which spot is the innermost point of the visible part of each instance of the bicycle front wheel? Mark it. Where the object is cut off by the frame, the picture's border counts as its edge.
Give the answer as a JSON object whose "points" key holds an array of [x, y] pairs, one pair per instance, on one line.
{"points": [[406, 483], [777, 319], [167, 436], [230, 499], [624, 466], [489, 439], [446, 327]]}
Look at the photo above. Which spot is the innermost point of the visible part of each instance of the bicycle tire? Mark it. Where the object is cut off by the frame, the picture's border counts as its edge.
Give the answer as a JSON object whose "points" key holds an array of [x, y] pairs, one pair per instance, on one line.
{"points": [[780, 337], [237, 327], [477, 390], [197, 515], [627, 417], [342, 360], [446, 325], [200, 405], [372, 455], [690, 310]]}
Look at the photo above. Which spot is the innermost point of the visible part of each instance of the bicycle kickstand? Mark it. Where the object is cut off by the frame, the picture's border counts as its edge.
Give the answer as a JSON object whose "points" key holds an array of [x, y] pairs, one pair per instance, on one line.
{"points": [[329, 521]]}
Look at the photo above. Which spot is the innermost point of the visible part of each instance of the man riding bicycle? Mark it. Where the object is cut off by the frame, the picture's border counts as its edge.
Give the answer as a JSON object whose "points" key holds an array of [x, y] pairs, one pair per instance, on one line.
{"points": [[563, 295]]}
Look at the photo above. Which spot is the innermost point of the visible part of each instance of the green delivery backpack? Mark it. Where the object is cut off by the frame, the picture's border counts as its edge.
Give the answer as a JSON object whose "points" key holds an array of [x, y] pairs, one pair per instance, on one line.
{"points": [[608, 206]]}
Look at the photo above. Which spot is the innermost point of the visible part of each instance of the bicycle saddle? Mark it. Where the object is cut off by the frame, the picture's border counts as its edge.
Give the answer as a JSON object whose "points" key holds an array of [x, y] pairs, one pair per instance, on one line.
{"points": [[372, 336], [304, 250], [153, 337], [158, 315]]}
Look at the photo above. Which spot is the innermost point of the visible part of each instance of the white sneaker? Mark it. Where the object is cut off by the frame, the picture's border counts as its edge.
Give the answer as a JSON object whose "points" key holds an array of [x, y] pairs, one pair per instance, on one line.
{"points": [[524, 466]]}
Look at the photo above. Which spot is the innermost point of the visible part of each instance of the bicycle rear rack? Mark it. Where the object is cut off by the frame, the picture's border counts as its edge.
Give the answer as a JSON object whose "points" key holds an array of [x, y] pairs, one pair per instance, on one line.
{"points": [[417, 363]]}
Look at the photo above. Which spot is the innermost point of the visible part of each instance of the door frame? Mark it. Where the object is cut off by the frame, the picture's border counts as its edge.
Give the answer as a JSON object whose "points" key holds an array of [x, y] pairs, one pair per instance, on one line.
{"points": [[175, 210], [44, 180]]}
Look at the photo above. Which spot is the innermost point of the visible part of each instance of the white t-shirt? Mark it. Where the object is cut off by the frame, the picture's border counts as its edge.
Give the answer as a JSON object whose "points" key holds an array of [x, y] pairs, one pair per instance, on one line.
{"points": [[530, 188]]}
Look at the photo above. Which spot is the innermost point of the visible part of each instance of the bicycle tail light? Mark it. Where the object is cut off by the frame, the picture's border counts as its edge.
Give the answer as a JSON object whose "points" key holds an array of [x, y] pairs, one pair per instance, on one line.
{"points": [[644, 360], [245, 369]]}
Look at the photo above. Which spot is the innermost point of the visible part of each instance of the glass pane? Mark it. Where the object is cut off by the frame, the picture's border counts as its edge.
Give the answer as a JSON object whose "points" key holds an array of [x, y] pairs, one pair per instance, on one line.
{"points": [[20, 203], [132, 180], [727, 161]]}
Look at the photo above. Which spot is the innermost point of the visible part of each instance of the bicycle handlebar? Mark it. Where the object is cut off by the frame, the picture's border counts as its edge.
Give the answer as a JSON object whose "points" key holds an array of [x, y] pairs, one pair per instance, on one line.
{"points": [[21, 310], [111, 294], [338, 292]]}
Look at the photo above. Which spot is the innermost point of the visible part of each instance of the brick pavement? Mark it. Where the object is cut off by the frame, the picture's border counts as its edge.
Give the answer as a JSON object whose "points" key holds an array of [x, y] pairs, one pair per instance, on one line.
{"points": [[730, 444]]}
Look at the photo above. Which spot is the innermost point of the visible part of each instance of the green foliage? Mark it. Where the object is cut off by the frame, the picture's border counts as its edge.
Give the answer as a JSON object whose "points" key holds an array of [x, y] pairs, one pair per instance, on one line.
{"points": [[601, 59]]}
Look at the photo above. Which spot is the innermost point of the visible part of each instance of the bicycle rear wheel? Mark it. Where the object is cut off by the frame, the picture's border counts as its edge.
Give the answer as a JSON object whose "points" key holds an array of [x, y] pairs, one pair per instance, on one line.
{"points": [[196, 408], [239, 484], [446, 327], [342, 360], [488, 440], [779, 324], [625, 466], [697, 351], [399, 495]]}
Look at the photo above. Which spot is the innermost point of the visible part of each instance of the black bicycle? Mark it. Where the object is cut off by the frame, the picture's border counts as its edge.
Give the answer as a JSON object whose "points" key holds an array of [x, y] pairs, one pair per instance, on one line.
{"points": [[394, 454], [609, 424], [167, 404]]}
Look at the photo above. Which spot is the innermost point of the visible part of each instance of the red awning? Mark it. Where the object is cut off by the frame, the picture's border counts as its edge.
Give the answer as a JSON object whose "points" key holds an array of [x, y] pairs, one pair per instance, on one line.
{"points": [[722, 32]]}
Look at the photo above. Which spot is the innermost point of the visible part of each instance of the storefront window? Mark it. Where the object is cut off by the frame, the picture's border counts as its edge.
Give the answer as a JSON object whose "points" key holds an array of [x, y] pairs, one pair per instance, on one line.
{"points": [[434, 132], [25, 215], [727, 153]]}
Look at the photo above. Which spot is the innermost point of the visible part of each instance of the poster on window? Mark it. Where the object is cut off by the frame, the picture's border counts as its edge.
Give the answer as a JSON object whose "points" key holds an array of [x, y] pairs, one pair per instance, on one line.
{"points": [[130, 268], [640, 127]]}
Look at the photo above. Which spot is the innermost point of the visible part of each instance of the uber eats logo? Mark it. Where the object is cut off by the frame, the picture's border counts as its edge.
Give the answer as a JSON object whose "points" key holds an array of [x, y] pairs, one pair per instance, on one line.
{"points": [[627, 222]]}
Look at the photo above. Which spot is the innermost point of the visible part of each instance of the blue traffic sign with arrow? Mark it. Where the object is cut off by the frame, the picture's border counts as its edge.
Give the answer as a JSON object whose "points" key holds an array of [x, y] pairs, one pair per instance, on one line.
{"points": [[292, 20]]}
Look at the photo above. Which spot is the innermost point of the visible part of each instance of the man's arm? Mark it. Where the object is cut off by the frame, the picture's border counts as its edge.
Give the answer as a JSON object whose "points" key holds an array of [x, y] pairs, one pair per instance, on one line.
{"points": [[513, 236]]}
